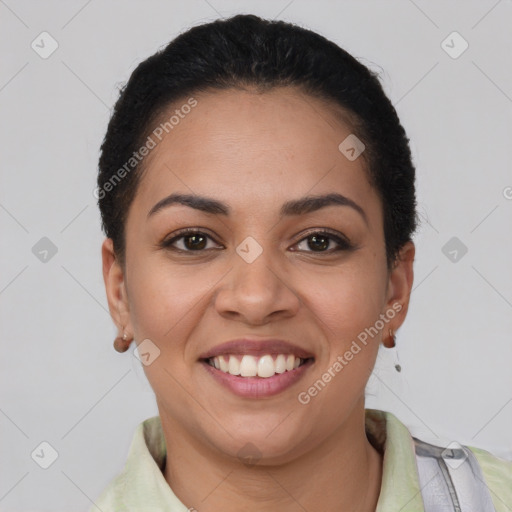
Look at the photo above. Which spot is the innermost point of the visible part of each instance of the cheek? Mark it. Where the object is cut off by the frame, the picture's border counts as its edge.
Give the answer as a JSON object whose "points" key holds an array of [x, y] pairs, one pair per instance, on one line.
{"points": [[349, 300], [168, 300], [348, 303], [164, 299], [165, 307]]}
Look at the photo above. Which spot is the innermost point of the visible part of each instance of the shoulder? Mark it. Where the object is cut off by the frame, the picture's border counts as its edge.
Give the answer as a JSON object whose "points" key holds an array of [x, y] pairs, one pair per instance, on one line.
{"points": [[497, 473], [111, 498], [141, 469], [405, 455]]}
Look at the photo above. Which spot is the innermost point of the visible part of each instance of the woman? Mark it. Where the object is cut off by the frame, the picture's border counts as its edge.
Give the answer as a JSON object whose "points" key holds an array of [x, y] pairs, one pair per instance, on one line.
{"points": [[257, 191]]}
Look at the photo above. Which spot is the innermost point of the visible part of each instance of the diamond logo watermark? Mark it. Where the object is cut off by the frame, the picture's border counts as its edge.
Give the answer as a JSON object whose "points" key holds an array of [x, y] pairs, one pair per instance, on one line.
{"points": [[454, 249], [44, 250], [454, 45], [44, 455], [454, 455], [249, 249], [351, 147], [249, 454], [146, 352], [44, 45]]}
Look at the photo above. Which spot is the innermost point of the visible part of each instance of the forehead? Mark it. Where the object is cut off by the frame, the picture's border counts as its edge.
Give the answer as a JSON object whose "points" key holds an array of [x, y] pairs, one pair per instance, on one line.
{"points": [[235, 145]]}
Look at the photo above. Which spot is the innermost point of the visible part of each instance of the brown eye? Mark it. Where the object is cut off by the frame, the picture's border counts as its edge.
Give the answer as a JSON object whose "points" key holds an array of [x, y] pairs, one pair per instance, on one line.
{"points": [[322, 242], [188, 241], [194, 242]]}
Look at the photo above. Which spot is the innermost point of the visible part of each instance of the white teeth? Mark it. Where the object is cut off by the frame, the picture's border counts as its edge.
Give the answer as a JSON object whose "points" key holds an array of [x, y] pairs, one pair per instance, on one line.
{"points": [[266, 366], [233, 366], [252, 366], [224, 365], [248, 366], [280, 363]]}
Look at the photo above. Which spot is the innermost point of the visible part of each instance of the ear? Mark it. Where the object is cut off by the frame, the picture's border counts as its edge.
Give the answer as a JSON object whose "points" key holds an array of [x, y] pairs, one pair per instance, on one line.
{"points": [[115, 288], [400, 285]]}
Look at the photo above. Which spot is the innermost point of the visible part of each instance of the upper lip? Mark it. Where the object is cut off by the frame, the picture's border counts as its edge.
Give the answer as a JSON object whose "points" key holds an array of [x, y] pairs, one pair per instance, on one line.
{"points": [[256, 347]]}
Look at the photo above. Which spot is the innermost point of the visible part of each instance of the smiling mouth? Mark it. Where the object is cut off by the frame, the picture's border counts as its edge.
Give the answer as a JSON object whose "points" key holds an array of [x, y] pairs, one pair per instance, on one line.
{"points": [[264, 366]]}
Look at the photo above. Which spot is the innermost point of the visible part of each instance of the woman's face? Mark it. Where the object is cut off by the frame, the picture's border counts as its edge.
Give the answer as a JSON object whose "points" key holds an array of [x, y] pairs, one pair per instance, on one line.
{"points": [[253, 273]]}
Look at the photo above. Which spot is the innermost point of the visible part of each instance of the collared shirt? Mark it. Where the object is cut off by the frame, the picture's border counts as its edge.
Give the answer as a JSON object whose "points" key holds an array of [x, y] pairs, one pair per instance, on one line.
{"points": [[141, 485]]}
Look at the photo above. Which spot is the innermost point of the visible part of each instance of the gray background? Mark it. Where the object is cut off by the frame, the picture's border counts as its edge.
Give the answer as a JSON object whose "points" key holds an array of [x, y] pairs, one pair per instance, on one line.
{"points": [[61, 380]]}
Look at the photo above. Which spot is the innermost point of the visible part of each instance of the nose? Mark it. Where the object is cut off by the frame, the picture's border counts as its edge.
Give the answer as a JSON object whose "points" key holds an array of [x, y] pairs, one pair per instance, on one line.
{"points": [[257, 292]]}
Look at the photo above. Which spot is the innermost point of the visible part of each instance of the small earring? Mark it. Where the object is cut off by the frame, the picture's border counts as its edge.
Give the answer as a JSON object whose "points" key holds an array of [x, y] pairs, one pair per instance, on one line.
{"points": [[392, 344], [121, 343]]}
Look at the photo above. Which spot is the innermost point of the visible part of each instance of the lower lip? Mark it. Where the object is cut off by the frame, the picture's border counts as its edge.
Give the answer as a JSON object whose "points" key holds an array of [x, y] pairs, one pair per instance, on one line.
{"points": [[258, 387]]}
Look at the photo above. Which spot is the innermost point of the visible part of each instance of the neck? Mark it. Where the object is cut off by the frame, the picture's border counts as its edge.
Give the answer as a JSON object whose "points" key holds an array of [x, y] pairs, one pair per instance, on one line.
{"points": [[344, 472]]}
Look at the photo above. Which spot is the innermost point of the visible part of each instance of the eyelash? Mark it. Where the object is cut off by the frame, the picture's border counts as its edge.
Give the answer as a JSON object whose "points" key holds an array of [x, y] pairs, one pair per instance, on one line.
{"points": [[343, 244]]}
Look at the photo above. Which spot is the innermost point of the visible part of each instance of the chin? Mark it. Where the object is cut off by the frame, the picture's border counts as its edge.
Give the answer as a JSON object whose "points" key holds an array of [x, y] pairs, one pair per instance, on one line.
{"points": [[262, 444]]}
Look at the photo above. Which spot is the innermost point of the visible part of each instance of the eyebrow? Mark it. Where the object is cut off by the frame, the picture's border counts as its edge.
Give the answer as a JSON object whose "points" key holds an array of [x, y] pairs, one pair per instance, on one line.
{"points": [[294, 207]]}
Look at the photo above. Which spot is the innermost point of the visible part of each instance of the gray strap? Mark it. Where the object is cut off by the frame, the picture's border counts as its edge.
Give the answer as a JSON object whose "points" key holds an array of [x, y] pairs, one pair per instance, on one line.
{"points": [[451, 479]]}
